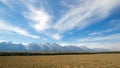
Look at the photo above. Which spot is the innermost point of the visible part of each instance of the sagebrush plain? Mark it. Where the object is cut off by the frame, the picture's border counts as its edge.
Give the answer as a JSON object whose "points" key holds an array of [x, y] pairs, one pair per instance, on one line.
{"points": [[62, 61]]}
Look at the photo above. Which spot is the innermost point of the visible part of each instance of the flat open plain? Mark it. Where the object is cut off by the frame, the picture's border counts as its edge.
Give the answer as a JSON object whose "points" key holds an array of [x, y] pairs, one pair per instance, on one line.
{"points": [[62, 61]]}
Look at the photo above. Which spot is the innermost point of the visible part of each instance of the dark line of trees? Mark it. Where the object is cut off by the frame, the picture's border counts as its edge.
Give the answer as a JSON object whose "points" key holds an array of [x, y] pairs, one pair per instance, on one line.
{"points": [[51, 53]]}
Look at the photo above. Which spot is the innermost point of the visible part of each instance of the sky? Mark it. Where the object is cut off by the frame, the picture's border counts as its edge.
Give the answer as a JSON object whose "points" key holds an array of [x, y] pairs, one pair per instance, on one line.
{"points": [[90, 23]]}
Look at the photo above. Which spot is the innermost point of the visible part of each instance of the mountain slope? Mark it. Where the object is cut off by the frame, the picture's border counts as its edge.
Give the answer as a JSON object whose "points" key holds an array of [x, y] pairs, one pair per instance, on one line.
{"points": [[9, 46], [47, 47]]}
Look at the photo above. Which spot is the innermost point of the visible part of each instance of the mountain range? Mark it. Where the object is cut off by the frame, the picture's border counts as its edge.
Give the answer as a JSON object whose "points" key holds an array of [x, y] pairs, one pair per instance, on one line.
{"points": [[47, 47]]}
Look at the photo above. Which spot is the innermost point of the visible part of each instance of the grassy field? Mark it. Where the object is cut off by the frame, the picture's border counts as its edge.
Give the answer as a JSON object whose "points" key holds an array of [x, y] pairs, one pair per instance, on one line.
{"points": [[62, 61]]}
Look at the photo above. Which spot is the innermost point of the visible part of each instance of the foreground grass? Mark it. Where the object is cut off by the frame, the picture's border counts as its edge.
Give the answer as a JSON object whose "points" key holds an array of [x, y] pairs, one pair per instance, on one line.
{"points": [[61, 61]]}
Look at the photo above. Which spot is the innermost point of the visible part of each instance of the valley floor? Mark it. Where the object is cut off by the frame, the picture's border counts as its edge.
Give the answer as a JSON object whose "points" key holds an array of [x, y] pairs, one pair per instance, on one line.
{"points": [[62, 61]]}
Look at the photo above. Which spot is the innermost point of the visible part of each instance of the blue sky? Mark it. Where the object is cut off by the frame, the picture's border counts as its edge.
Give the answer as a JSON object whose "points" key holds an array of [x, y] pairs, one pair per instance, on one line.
{"points": [[88, 23]]}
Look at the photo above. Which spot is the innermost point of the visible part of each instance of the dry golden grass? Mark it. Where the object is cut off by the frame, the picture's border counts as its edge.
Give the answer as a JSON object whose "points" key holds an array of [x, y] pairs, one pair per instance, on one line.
{"points": [[61, 61]]}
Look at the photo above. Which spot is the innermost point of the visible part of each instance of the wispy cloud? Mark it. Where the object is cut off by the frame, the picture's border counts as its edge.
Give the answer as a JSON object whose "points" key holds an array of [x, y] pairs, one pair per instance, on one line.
{"points": [[12, 4], [71, 3], [36, 15], [2, 40], [56, 36], [9, 27], [85, 14], [109, 38], [34, 12], [114, 25], [97, 33], [39, 17]]}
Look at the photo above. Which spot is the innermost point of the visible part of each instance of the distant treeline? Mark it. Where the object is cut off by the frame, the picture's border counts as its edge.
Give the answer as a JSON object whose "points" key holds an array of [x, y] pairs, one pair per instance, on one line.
{"points": [[51, 53]]}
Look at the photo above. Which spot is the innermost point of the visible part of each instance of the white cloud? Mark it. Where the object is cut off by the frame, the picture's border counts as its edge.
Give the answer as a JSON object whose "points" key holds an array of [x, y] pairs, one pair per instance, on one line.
{"points": [[81, 14], [109, 38], [56, 36], [65, 44], [114, 25], [11, 4], [2, 40], [19, 3], [39, 17], [8, 27], [71, 3], [5, 1], [85, 14], [101, 32]]}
